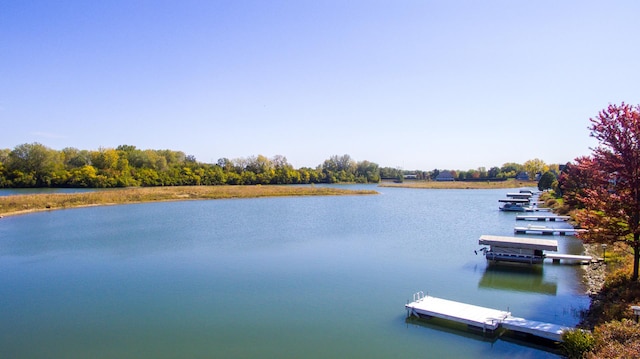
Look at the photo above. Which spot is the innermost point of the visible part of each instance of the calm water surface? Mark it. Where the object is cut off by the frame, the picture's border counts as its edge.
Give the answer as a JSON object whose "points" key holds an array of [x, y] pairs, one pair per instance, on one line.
{"points": [[313, 277]]}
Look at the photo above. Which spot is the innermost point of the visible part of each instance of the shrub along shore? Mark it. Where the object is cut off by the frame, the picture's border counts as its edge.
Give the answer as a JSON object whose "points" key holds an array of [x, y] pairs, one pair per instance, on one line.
{"points": [[510, 183], [20, 204]]}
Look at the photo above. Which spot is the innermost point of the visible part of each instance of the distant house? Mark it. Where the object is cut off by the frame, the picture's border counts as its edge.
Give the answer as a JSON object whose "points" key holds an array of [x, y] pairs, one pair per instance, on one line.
{"points": [[522, 176], [445, 176], [411, 177]]}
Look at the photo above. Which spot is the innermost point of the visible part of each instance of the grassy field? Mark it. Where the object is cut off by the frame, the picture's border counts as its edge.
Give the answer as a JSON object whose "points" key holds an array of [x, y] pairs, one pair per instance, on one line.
{"points": [[511, 183], [19, 204]]}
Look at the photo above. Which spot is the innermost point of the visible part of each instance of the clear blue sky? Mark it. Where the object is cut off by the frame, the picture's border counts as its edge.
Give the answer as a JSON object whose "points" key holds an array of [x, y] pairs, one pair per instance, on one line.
{"points": [[410, 84]]}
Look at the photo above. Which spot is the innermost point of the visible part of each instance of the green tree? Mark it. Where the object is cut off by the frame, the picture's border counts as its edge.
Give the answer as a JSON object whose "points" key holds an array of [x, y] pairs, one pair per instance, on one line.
{"points": [[34, 164], [75, 158], [493, 172], [85, 176], [511, 169], [339, 169], [534, 166], [105, 158], [546, 181], [368, 172]]}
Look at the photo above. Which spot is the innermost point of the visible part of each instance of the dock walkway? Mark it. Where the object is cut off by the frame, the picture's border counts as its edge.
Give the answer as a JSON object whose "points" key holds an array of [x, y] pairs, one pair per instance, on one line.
{"points": [[473, 315], [546, 230], [556, 257], [542, 218], [480, 317]]}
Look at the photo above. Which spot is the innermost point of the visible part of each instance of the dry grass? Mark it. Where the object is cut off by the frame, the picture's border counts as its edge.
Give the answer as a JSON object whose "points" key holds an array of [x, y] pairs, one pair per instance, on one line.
{"points": [[19, 204], [462, 185]]}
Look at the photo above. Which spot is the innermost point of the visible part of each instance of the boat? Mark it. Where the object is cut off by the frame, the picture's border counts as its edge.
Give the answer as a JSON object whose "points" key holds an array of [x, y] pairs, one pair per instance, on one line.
{"points": [[514, 204]]}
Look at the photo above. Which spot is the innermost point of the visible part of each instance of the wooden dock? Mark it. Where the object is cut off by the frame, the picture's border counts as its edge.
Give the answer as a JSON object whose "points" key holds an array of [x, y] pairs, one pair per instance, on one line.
{"points": [[546, 230], [542, 218], [487, 319]]}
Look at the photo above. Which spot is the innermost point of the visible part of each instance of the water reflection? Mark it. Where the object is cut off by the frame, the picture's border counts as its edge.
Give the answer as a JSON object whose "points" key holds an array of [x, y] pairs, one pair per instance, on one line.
{"points": [[519, 278], [493, 338], [451, 327]]}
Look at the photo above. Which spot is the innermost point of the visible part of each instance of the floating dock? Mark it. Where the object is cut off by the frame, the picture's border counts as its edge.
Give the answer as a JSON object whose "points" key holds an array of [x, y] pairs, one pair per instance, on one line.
{"points": [[546, 230], [487, 319], [557, 257], [537, 209], [471, 315], [542, 218]]}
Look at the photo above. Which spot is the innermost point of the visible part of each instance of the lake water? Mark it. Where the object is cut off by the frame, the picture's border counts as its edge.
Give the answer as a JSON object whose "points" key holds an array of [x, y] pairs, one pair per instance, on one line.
{"points": [[312, 277]]}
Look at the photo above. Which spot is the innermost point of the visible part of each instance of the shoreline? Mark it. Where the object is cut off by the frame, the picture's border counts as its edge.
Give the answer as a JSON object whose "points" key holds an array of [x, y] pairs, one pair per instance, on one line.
{"points": [[31, 203], [511, 183], [594, 276]]}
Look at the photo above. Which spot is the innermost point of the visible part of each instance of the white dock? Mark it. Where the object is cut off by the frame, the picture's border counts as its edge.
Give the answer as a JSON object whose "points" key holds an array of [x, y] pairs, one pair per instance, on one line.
{"points": [[542, 218], [480, 317], [473, 315], [556, 257], [539, 329], [537, 209], [546, 230]]}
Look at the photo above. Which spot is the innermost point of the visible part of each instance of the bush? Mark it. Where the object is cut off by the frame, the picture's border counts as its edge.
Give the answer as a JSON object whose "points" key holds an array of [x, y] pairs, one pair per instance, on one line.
{"points": [[577, 342], [616, 339]]}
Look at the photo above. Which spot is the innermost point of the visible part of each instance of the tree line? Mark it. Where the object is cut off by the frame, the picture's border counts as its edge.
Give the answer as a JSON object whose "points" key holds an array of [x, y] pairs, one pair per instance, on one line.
{"points": [[535, 169], [35, 165]]}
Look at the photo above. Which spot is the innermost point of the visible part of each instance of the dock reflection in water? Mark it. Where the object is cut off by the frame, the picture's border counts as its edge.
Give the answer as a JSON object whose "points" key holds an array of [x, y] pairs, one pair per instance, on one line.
{"points": [[515, 277], [491, 338]]}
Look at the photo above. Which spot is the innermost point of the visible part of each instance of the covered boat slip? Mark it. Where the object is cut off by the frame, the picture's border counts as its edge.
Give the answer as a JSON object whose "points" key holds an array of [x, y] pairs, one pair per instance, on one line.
{"points": [[519, 243], [514, 204], [523, 195], [526, 250], [519, 250]]}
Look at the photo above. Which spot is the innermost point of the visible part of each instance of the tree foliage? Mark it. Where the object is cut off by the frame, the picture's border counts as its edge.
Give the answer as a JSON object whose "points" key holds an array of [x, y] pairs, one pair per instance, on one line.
{"points": [[546, 181], [534, 167], [607, 183], [35, 165]]}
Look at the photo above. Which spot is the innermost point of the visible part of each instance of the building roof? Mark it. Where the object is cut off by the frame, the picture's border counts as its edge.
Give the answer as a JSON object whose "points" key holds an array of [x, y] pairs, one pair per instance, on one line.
{"points": [[513, 200], [519, 242], [445, 176]]}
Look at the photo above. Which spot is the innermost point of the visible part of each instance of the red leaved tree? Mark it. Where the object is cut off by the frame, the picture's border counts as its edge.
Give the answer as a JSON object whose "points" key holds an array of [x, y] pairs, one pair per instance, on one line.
{"points": [[610, 180]]}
